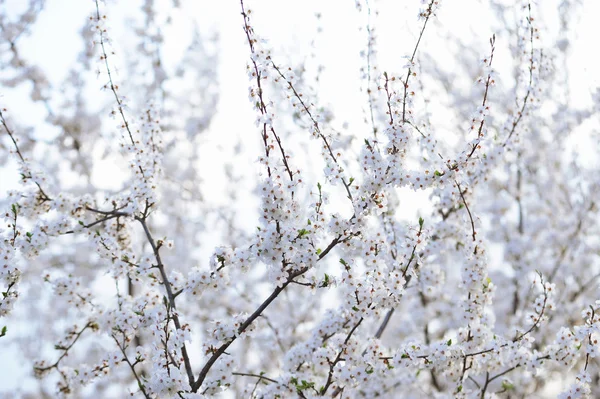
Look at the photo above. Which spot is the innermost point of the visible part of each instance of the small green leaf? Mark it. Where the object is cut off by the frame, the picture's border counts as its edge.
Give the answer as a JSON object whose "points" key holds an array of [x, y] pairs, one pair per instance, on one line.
{"points": [[355, 308], [351, 180], [303, 232], [319, 250], [3, 332], [449, 342], [421, 221], [438, 173], [507, 386]]}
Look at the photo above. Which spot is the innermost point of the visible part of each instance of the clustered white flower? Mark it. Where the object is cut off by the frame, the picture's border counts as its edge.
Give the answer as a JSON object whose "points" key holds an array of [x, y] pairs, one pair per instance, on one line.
{"points": [[332, 293]]}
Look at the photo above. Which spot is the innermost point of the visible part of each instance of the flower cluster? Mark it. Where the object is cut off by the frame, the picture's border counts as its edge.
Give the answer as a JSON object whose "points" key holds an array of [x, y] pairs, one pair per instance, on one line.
{"points": [[194, 272]]}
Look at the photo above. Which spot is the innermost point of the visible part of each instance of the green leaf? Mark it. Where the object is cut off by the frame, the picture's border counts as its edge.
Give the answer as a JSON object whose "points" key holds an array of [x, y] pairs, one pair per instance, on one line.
{"points": [[421, 221], [303, 232], [351, 180], [449, 342], [319, 250], [29, 234], [355, 308], [507, 386], [303, 385], [3, 332], [487, 283], [438, 173]]}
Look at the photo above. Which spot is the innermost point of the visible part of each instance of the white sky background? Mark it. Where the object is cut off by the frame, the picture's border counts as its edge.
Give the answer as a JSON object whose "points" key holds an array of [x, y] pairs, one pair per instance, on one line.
{"points": [[290, 27]]}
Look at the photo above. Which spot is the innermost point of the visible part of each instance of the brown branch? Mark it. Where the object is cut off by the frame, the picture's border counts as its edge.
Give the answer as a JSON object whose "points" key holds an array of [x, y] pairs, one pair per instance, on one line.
{"points": [[258, 312], [112, 86], [428, 14], [262, 105], [316, 125], [468, 211], [43, 196], [170, 296], [132, 367], [529, 86], [260, 377], [337, 359]]}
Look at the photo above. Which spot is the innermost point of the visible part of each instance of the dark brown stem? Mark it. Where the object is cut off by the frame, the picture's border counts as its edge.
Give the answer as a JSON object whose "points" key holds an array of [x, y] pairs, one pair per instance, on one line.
{"points": [[170, 295], [412, 59]]}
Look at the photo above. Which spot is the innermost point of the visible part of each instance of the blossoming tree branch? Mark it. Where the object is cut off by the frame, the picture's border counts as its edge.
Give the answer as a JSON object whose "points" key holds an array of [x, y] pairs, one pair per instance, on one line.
{"points": [[138, 259]]}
